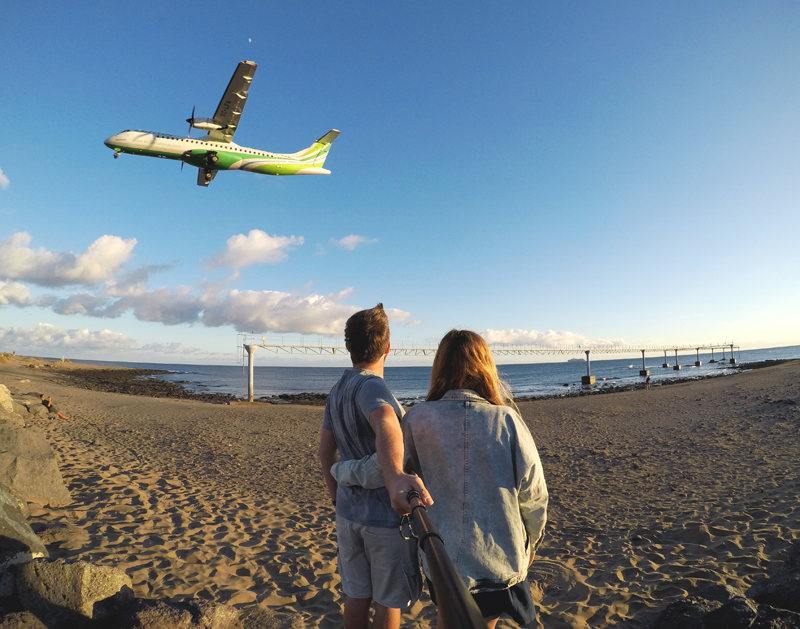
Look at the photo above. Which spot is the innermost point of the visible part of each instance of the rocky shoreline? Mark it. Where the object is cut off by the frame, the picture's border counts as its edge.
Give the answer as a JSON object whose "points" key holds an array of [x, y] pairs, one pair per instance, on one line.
{"points": [[133, 381], [136, 382], [610, 388], [308, 399]]}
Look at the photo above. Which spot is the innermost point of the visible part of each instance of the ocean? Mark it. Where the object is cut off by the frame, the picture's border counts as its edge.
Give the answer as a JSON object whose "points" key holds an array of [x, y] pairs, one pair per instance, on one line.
{"points": [[410, 384]]}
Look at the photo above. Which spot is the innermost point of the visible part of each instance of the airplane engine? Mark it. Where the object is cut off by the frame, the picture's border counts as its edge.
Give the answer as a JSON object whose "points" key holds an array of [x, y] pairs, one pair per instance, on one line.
{"points": [[206, 124]]}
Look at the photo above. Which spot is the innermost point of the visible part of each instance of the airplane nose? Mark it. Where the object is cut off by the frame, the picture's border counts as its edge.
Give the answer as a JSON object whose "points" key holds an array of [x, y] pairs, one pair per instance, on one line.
{"points": [[110, 141]]}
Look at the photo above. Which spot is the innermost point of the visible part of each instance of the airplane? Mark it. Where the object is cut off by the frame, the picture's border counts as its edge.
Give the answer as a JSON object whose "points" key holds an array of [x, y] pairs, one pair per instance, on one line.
{"points": [[216, 150]]}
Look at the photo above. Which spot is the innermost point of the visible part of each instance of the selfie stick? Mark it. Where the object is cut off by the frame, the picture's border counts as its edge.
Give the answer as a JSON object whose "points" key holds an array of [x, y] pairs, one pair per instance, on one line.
{"points": [[457, 608]]}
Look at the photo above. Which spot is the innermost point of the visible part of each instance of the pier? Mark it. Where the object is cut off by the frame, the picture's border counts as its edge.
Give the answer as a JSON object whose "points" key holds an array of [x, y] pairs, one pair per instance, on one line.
{"points": [[250, 346]]}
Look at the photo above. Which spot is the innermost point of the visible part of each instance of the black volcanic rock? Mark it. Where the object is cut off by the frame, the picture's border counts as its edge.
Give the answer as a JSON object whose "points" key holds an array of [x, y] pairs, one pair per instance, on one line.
{"points": [[133, 382]]}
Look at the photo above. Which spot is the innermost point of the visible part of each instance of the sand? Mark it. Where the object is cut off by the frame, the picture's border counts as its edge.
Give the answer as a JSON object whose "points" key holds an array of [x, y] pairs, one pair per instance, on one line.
{"points": [[653, 494]]}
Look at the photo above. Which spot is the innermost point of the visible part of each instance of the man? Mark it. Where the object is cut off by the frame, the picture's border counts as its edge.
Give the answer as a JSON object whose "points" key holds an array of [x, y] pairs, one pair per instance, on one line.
{"points": [[48, 404], [376, 564]]}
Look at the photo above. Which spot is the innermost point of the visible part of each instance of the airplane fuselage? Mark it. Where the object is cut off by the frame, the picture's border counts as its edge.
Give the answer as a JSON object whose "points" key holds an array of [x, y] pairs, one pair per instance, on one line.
{"points": [[208, 154]]}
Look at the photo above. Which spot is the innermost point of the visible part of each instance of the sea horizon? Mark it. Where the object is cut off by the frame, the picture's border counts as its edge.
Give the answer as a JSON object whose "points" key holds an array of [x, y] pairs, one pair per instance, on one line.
{"points": [[410, 384]]}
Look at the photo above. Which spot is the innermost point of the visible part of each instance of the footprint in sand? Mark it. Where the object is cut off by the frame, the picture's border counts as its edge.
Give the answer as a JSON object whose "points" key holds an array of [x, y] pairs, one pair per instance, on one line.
{"points": [[556, 580]]}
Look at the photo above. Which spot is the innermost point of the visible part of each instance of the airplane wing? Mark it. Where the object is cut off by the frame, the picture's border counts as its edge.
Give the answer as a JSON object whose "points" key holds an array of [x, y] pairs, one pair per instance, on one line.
{"points": [[232, 104]]}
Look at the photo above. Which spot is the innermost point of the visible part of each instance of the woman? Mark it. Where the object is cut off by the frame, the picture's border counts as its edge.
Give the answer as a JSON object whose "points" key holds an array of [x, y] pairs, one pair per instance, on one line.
{"points": [[478, 460]]}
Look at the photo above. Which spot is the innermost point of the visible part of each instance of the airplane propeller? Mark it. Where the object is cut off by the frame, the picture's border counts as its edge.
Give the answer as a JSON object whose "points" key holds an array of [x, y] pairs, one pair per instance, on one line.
{"points": [[191, 124]]}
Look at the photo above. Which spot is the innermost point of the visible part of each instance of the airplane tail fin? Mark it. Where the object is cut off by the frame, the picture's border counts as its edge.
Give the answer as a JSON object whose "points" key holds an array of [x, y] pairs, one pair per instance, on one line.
{"points": [[314, 156]]}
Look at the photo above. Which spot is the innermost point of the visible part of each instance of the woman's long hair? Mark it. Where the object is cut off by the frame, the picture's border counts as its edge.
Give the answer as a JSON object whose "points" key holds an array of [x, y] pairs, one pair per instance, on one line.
{"points": [[464, 361]]}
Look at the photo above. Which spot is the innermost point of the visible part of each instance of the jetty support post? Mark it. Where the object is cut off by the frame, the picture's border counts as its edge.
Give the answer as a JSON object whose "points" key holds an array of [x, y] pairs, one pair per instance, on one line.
{"points": [[733, 360], [588, 379], [676, 366], [712, 357], [666, 364], [698, 363], [251, 350], [644, 371]]}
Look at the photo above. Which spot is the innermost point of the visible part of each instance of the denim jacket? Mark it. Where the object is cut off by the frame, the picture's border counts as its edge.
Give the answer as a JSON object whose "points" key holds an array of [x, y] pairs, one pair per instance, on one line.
{"points": [[481, 467]]}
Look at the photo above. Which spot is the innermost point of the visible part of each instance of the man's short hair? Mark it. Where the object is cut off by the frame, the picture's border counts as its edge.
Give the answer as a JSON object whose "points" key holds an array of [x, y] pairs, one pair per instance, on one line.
{"points": [[366, 335]]}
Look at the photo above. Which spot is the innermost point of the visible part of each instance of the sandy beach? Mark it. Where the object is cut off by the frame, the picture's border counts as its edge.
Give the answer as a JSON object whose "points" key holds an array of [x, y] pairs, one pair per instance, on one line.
{"points": [[653, 493]]}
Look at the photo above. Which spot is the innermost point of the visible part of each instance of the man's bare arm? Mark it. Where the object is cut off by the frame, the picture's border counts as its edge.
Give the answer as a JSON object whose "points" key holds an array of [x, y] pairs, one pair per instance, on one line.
{"points": [[389, 445], [328, 454]]}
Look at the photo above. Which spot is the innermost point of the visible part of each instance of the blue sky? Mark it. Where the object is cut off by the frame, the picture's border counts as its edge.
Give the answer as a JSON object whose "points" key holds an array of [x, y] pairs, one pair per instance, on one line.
{"points": [[541, 172]]}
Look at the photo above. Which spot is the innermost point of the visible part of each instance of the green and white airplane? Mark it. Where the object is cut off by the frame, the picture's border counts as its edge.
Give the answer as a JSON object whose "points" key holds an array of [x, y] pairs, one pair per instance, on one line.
{"points": [[216, 151]]}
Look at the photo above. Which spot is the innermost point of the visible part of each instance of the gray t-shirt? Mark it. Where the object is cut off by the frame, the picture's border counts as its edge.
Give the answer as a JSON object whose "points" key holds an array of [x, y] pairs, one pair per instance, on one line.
{"points": [[352, 399]]}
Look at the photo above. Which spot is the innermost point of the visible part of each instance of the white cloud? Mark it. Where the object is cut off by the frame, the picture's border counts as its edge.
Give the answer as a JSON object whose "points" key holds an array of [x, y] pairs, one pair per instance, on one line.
{"points": [[46, 268], [133, 282], [163, 305], [114, 290], [544, 339], [261, 311], [256, 247], [49, 339], [175, 349], [600, 342], [219, 284], [3, 180], [352, 241], [82, 303], [274, 311], [15, 293], [399, 316]]}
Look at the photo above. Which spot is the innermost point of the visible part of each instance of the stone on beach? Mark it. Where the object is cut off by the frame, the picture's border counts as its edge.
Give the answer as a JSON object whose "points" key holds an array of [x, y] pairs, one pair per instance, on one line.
{"points": [[31, 403], [260, 618], [72, 595], [21, 620], [59, 533], [782, 589], [28, 466], [18, 543], [11, 411], [688, 613], [14, 419], [202, 614], [6, 402]]}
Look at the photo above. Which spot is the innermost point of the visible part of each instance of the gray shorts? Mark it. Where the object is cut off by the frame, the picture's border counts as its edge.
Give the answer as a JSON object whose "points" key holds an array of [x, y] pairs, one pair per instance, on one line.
{"points": [[378, 563]]}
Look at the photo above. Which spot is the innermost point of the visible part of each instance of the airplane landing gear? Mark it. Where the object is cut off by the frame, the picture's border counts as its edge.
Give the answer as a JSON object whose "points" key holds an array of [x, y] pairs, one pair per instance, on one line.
{"points": [[204, 176], [116, 154]]}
